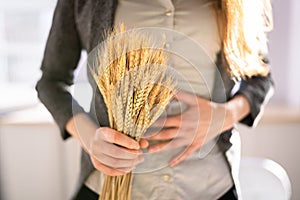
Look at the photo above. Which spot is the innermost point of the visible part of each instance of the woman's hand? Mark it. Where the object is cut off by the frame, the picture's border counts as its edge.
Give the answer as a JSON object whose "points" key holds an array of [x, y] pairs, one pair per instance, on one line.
{"points": [[201, 122], [114, 153], [111, 152]]}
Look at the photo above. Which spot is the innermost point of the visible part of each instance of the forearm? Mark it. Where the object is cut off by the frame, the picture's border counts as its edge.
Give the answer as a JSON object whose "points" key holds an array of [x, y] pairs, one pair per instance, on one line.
{"points": [[82, 128], [236, 109]]}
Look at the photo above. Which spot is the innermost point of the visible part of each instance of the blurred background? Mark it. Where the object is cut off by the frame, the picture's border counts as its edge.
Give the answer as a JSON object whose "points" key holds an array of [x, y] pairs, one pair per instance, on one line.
{"points": [[36, 164]]}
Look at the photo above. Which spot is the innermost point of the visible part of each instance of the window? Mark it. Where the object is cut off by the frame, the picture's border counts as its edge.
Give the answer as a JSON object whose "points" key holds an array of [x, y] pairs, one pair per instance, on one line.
{"points": [[24, 27]]}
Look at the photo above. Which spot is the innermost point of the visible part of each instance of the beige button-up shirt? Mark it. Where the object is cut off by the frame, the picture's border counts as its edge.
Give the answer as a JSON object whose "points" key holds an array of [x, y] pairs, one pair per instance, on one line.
{"points": [[192, 37]]}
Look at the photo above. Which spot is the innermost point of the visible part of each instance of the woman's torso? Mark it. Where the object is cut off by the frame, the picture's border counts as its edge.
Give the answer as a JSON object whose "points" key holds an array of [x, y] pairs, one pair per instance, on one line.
{"points": [[206, 173]]}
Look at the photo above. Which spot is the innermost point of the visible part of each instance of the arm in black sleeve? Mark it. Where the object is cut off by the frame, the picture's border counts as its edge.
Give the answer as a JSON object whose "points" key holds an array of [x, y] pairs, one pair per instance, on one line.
{"points": [[61, 57], [258, 90]]}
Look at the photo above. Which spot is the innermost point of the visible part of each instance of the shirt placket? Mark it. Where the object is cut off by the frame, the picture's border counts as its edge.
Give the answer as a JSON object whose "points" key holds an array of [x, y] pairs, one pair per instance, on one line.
{"points": [[168, 20]]}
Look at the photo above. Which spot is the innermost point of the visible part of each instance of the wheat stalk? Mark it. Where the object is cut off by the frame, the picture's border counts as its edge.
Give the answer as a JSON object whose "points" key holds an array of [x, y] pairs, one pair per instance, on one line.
{"points": [[131, 76]]}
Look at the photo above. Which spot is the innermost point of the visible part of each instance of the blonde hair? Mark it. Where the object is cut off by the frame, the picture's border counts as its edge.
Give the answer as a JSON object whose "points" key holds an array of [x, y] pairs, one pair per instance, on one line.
{"points": [[244, 24]]}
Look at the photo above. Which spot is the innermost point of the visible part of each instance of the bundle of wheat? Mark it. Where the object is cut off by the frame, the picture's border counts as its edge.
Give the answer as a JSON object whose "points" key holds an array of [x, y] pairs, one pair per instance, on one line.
{"points": [[131, 76]]}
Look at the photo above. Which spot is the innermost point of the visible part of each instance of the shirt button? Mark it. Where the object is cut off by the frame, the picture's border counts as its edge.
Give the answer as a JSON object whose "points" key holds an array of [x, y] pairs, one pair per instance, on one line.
{"points": [[168, 13], [167, 45], [166, 178]]}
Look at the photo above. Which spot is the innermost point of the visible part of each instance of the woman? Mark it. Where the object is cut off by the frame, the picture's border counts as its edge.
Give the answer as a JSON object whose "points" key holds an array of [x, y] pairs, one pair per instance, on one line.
{"points": [[239, 55]]}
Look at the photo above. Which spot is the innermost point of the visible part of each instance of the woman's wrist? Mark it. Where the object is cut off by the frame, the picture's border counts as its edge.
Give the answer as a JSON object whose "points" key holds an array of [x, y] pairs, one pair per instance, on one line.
{"points": [[83, 129], [236, 109]]}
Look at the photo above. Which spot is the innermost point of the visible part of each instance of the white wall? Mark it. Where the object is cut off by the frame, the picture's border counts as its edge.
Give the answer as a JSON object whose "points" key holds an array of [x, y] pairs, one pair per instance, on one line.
{"points": [[35, 163], [284, 51], [278, 142], [294, 69], [279, 49]]}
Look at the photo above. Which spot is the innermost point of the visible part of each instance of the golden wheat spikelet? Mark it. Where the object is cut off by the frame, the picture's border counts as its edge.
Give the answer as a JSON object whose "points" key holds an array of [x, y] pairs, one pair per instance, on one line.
{"points": [[131, 76]]}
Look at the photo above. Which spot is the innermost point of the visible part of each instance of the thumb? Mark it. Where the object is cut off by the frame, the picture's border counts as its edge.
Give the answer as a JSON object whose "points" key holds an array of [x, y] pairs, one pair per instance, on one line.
{"points": [[188, 98], [144, 143]]}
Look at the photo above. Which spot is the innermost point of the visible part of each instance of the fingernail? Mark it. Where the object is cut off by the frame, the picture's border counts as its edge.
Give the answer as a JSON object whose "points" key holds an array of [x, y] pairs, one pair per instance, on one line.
{"points": [[147, 144], [135, 146]]}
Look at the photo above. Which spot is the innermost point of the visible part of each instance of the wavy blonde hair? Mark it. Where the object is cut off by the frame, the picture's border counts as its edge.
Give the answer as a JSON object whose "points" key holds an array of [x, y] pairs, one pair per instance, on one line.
{"points": [[244, 25]]}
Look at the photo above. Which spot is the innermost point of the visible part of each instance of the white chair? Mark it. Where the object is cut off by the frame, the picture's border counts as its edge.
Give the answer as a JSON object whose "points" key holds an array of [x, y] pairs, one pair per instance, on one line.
{"points": [[263, 179]]}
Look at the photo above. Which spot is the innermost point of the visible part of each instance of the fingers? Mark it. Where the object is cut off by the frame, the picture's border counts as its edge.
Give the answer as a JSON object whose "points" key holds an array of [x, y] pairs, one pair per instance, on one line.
{"points": [[143, 143], [159, 147], [188, 151], [113, 146], [186, 97], [113, 136], [171, 121], [100, 147], [165, 134], [164, 146], [119, 163], [114, 153], [109, 170]]}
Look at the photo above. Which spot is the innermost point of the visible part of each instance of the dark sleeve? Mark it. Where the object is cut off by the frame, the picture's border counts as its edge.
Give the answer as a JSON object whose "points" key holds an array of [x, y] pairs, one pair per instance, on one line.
{"points": [[61, 57], [258, 90]]}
